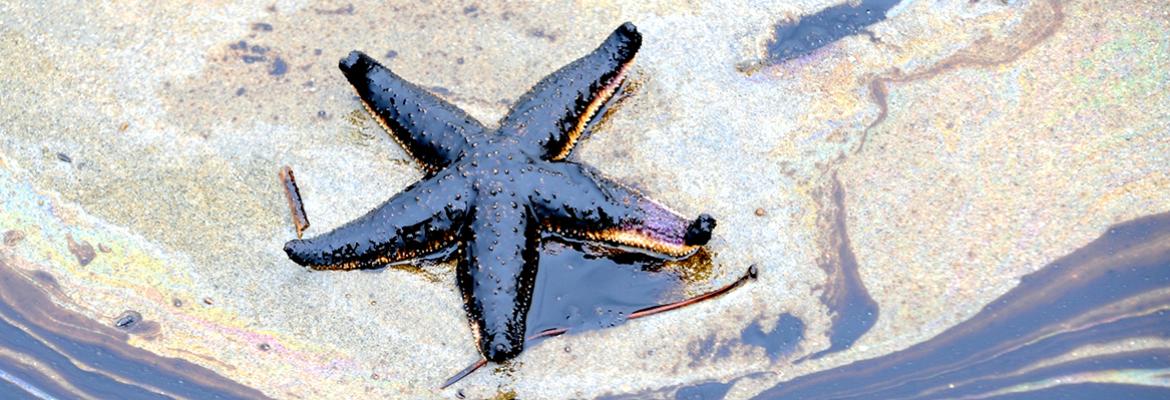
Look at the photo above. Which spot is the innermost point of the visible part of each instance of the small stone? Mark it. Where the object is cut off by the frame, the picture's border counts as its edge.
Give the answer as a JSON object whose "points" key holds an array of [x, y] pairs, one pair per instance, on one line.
{"points": [[12, 237], [81, 249], [279, 67], [127, 319]]}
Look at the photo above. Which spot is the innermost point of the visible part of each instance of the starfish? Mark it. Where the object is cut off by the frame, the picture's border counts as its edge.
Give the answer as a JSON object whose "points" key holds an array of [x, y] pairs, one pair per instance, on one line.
{"points": [[491, 195]]}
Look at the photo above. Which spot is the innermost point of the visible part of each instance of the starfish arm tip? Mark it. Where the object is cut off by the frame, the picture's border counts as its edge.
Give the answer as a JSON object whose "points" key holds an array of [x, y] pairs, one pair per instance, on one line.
{"points": [[699, 231], [430, 129], [351, 61], [298, 251], [630, 33], [576, 94]]}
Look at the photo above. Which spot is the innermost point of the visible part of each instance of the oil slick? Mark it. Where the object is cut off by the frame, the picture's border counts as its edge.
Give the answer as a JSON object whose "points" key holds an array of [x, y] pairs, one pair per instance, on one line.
{"points": [[817, 30], [1109, 294], [59, 340], [780, 340], [1040, 23], [852, 310], [1090, 325], [791, 40], [49, 352]]}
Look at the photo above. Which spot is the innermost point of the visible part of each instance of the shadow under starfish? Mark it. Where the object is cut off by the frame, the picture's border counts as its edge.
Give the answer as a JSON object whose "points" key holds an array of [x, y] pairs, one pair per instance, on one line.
{"points": [[751, 273], [490, 194]]}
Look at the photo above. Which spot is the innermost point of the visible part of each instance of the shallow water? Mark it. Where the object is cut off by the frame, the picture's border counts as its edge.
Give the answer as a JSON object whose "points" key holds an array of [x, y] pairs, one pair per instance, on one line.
{"points": [[578, 291], [1113, 289], [51, 352]]}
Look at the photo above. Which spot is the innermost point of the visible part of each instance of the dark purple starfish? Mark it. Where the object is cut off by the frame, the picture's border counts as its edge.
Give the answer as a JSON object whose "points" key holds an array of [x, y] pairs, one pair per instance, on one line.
{"points": [[490, 194]]}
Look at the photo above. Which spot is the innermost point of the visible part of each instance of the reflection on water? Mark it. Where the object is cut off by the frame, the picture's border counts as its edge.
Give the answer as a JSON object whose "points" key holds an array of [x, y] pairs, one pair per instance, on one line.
{"points": [[1113, 291], [50, 352], [579, 291]]}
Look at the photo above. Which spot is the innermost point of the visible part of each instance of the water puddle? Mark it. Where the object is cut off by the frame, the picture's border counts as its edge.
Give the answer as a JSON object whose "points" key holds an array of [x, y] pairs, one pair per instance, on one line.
{"points": [[51, 352], [1114, 290]]}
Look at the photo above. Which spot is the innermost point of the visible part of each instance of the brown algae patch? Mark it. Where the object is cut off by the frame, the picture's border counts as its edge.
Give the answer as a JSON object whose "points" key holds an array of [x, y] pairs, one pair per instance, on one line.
{"points": [[696, 269]]}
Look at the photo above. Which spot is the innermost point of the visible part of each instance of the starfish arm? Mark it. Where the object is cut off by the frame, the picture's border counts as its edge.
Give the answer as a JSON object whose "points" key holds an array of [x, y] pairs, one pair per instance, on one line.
{"points": [[420, 220], [600, 210], [434, 132], [496, 274], [554, 114]]}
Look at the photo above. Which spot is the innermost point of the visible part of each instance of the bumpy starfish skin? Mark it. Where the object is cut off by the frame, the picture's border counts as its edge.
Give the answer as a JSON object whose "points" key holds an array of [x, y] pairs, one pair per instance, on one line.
{"points": [[490, 194]]}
